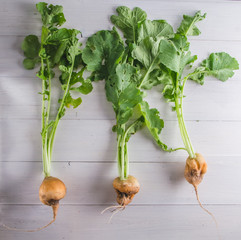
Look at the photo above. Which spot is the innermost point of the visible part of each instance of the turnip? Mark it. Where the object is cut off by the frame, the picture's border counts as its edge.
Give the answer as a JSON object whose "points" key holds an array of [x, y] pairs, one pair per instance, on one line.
{"points": [[172, 55], [109, 57], [126, 189], [58, 48]]}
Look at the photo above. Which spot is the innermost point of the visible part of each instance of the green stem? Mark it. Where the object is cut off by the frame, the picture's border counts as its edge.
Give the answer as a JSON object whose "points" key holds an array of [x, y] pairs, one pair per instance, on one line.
{"points": [[144, 78], [46, 168], [183, 130], [123, 165], [47, 159], [123, 159], [55, 124], [121, 154], [49, 94]]}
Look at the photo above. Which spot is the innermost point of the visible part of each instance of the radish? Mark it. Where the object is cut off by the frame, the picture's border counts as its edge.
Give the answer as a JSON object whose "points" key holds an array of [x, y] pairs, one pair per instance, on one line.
{"points": [[59, 47]]}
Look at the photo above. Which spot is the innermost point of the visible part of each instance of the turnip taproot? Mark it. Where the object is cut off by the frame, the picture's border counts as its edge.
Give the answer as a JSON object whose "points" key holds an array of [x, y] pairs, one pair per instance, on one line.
{"points": [[58, 48]]}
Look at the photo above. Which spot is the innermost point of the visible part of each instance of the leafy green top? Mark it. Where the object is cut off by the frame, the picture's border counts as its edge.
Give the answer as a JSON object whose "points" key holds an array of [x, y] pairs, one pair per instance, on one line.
{"points": [[58, 49], [128, 68], [153, 54]]}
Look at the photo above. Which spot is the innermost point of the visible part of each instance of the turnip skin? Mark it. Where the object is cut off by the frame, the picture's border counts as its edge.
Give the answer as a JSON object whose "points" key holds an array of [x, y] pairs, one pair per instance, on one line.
{"points": [[126, 189], [195, 169], [51, 191]]}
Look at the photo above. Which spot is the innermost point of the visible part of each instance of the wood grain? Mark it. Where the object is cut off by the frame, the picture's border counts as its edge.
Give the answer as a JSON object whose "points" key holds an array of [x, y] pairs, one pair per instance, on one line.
{"points": [[91, 183], [136, 222], [21, 18], [85, 148], [91, 140]]}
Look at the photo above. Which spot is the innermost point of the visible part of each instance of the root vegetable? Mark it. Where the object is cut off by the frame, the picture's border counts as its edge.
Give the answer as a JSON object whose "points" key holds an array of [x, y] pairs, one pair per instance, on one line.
{"points": [[195, 169], [169, 56], [109, 57], [50, 192], [126, 189], [58, 48]]}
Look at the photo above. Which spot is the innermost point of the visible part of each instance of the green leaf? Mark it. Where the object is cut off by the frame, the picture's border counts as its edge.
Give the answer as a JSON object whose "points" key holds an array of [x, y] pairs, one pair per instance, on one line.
{"points": [[128, 99], [69, 101], [42, 8], [152, 79], [180, 42], [153, 122], [29, 63], [118, 82], [155, 29], [129, 21], [31, 46], [76, 77], [58, 35], [182, 56], [122, 92], [147, 52], [85, 87], [64, 69], [151, 54], [102, 52], [220, 65], [188, 27], [198, 75], [59, 52], [73, 51], [134, 127], [44, 35], [52, 15], [185, 59]]}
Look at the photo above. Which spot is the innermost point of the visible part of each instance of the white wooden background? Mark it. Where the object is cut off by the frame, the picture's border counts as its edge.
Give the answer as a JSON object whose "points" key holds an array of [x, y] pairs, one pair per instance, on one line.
{"points": [[85, 149]]}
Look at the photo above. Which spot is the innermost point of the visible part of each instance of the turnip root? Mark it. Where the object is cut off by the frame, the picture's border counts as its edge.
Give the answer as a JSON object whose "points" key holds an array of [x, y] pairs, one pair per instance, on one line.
{"points": [[50, 192], [58, 50], [195, 169], [126, 189]]}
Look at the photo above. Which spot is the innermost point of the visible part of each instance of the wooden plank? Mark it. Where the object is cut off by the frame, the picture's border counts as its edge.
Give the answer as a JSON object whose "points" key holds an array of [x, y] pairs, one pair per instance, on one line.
{"points": [[91, 183], [136, 222], [90, 140], [19, 88], [11, 63], [19, 99], [21, 18]]}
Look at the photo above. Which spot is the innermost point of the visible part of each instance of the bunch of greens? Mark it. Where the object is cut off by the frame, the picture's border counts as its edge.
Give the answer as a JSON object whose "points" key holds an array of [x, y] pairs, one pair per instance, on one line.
{"points": [[58, 49], [161, 55], [109, 57], [174, 56]]}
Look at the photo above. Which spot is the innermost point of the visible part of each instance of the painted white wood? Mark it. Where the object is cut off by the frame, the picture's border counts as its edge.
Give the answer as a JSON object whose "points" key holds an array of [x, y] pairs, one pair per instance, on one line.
{"points": [[12, 55], [215, 100], [21, 18], [136, 222], [91, 140], [85, 149], [91, 183]]}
